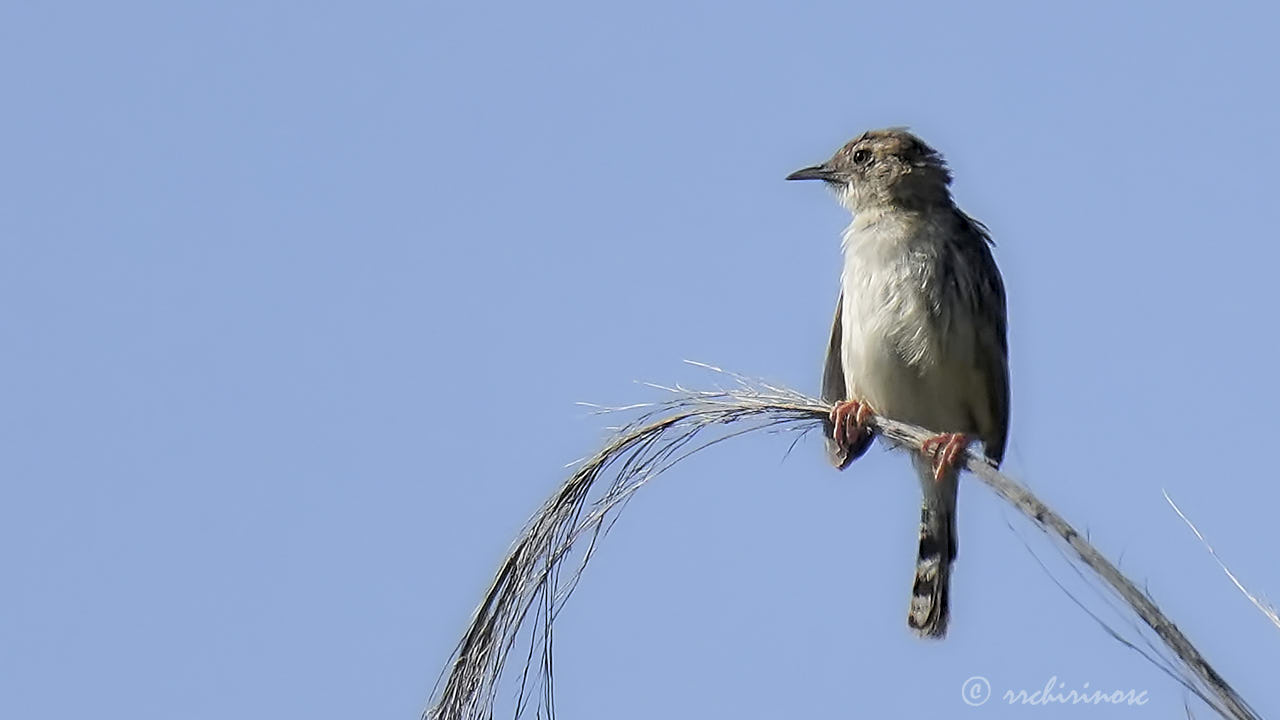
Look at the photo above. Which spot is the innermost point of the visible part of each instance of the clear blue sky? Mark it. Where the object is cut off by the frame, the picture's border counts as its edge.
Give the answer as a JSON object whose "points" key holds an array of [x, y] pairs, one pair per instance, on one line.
{"points": [[298, 300]]}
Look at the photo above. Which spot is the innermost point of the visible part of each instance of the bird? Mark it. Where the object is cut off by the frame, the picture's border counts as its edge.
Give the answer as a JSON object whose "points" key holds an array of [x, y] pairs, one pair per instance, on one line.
{"points": [[919, 335]]}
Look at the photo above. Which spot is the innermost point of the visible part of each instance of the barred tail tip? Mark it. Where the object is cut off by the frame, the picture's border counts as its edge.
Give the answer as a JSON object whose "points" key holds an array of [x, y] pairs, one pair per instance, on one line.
{"points": [[930, 607]]}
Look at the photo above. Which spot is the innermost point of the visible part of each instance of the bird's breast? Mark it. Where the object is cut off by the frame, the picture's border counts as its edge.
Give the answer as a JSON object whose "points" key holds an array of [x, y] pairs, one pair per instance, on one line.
{"points": [[895, 345]]}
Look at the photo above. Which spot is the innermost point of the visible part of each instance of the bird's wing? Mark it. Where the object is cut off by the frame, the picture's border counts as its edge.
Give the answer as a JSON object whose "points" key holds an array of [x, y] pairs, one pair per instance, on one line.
{"points": [[834, 390], [992, 362], [994, 365]]}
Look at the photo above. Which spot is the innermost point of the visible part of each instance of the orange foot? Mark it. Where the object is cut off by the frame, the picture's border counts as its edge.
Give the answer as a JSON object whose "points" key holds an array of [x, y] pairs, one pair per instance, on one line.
{"points": [[945, 449], [849, 418]]}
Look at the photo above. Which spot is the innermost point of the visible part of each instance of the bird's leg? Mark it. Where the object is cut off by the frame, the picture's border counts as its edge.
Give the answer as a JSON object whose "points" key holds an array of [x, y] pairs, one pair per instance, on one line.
{"points": [[851, 430], [945, 449]]}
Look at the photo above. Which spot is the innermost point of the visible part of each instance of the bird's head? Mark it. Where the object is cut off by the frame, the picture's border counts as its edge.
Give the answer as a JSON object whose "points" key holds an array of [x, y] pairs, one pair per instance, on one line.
{"points": [[883, 167]]}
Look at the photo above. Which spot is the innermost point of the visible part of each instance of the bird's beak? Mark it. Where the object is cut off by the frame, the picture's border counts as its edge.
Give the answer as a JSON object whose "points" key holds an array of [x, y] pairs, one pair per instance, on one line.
{"points": [[817, 172]]}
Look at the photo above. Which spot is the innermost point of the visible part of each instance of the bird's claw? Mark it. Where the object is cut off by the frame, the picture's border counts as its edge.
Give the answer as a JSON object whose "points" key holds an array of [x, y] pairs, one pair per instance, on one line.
{"points": [[850, 421], [945, 449]]}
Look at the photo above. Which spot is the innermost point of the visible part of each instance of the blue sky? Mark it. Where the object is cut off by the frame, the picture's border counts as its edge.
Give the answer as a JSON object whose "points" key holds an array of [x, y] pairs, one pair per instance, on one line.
{"points": [[299, 301]]}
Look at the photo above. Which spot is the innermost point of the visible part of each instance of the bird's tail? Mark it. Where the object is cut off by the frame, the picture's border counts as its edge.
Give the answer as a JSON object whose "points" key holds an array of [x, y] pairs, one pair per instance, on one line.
{"points": [[930, 592]]}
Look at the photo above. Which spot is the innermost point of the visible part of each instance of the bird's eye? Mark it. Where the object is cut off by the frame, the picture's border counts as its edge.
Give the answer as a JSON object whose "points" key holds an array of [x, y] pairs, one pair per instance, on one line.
{"points": [[861, 156]]}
